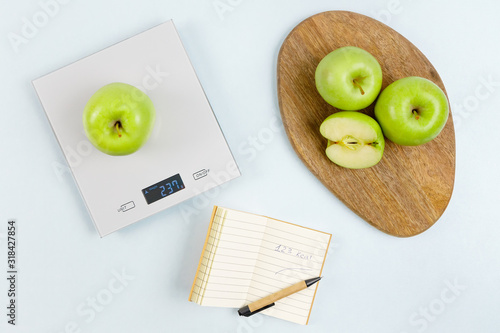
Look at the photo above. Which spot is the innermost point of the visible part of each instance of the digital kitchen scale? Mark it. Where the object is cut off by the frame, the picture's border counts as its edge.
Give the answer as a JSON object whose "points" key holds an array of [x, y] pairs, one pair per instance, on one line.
{"points": [[186, 153]]}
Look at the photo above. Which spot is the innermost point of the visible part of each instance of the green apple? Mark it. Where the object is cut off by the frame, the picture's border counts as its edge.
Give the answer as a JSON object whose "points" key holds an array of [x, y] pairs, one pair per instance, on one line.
{"points": [[118, 119], [412, 111], [349, 78], [355, 140]]}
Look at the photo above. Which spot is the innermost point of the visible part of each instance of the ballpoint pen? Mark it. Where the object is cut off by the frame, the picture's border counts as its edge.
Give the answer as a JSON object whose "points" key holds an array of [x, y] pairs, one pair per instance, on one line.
{"points": [[268, 301]]}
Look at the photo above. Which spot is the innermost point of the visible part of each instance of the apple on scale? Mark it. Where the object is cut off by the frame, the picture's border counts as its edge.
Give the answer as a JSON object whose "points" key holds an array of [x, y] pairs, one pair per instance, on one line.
{"points": [[118, 119]]}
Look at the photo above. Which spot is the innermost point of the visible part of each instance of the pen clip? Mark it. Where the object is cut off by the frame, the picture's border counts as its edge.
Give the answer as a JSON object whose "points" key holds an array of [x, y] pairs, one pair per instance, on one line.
{"points": [[247, 313]]}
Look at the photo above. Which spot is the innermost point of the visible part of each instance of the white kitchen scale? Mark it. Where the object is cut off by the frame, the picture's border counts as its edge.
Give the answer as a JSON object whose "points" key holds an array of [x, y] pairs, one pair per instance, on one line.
{"points": [[186, 153]]}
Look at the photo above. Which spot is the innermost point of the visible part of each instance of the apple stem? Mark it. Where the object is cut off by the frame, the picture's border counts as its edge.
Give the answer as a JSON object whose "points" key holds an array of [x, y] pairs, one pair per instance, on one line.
{"points": [[415, 112], [117, 126], [359, 86]]}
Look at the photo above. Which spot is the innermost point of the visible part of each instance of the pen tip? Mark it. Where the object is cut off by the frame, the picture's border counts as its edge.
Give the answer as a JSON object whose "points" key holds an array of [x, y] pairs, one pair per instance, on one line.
{"points": [[312, 281]]}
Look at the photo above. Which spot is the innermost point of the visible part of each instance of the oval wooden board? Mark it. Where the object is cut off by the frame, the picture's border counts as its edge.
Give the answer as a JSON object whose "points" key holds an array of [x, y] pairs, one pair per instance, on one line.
{"points": [[409, 189]]}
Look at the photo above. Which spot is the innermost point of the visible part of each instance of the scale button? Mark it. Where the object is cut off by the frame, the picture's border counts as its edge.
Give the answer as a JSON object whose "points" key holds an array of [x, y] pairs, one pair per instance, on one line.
{"points": [[128, 206], [200, 174]]}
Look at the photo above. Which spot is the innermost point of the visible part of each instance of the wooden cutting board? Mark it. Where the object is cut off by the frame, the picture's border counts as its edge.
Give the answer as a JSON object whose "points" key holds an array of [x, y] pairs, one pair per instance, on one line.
{"points": [[409, 189]]}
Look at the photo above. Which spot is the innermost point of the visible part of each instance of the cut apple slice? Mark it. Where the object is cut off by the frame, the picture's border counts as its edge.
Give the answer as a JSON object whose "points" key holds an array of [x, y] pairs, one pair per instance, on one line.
{"points": [[355, 140]]}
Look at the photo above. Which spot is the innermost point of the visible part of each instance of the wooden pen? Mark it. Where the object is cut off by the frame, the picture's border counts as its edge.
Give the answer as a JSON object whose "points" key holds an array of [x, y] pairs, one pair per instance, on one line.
{"points": [[268, 301]]}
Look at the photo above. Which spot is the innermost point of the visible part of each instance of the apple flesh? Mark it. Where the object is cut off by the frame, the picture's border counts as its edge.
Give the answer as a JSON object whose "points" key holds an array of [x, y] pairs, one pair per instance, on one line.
{"points": [[355, 140], [349, 78], [412, 111], [118, 119]]}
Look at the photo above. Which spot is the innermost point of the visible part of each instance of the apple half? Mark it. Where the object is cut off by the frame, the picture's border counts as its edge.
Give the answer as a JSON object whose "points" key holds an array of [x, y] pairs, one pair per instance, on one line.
{"points": [[355, 140]]}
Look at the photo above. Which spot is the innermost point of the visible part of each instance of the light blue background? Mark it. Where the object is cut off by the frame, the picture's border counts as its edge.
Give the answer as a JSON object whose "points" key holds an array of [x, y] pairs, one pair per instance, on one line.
{"points": [[373, 282]]}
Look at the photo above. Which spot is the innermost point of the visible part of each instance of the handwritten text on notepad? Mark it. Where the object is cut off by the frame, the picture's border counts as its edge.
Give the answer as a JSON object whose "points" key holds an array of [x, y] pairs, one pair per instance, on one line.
{"points": [[292, 252]]}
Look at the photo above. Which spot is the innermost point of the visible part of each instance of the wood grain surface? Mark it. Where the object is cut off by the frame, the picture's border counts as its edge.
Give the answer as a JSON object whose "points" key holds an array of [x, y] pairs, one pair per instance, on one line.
{"points": [[409, 189]]}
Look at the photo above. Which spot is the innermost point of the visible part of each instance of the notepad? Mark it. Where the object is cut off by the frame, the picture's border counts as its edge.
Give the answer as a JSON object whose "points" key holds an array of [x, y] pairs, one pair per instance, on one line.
{"points": [[247, 257]]}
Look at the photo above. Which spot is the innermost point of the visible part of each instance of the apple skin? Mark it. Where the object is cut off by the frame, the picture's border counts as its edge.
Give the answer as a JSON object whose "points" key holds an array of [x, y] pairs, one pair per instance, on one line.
{"points": [[412, 111], [118, 119], [355, 140], [349, 78]]}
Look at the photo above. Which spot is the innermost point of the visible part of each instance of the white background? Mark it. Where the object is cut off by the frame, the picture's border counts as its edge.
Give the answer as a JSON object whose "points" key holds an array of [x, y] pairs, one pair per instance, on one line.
{"points": [[444, 280]]}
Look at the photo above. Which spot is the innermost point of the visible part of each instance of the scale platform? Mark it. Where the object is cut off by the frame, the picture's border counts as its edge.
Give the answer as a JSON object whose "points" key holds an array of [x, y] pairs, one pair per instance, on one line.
{"points": [[185, 155]]}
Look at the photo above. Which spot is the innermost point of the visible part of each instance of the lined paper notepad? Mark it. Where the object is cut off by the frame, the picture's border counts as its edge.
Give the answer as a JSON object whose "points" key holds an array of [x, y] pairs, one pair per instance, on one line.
{"points": [[247, 257]]}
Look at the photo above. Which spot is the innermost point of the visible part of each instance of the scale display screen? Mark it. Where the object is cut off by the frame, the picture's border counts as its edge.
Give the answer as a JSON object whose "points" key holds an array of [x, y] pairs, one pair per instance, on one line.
{"points": [[163, 189]]}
